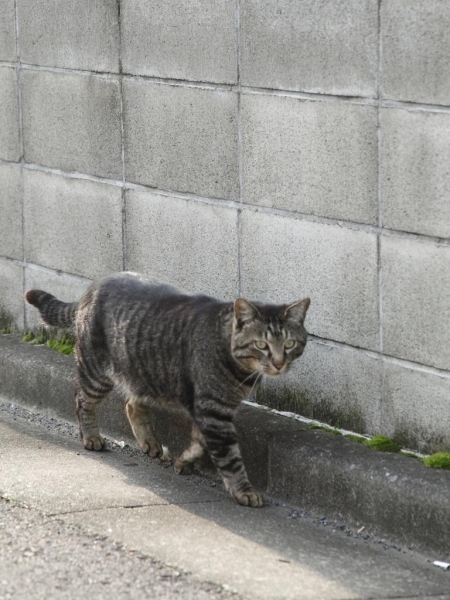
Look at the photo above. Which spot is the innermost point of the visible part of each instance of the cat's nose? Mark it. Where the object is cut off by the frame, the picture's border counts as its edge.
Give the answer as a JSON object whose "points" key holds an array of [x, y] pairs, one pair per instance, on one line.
{"points": [[278, 366]]}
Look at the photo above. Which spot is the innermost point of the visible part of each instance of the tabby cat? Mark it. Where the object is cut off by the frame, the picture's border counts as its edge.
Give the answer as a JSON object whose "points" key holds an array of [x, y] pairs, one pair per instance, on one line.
{"points": [[161, 344]]}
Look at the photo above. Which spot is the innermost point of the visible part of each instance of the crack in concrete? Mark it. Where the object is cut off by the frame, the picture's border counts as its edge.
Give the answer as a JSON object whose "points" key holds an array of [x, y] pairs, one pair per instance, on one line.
{"points": [[130, 506]]}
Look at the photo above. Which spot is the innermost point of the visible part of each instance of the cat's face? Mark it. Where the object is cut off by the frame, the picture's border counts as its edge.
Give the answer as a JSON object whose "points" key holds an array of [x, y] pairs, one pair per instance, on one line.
{"points": [[268, 338]]}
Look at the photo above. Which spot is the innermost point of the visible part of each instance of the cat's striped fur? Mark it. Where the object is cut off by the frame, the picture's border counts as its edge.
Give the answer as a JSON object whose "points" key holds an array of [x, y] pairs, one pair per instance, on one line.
{"points": [[194, 351]]}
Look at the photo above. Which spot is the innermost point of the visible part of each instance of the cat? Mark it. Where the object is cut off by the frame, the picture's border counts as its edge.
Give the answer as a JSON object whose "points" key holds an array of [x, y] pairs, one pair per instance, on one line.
{"points": [[193, 351]]}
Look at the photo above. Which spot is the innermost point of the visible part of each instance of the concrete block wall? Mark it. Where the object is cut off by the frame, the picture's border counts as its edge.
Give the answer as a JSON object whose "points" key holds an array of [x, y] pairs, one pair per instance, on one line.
{"points": [[271, 149]]}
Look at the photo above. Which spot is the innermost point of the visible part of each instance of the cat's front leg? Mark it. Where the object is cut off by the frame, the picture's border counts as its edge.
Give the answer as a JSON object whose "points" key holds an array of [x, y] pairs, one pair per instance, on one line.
{"points": [[215, 420]]}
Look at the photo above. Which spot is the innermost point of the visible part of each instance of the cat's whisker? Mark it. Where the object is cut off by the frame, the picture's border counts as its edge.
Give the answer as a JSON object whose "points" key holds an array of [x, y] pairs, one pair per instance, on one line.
{"points": [[256, 381], [251, 375]]}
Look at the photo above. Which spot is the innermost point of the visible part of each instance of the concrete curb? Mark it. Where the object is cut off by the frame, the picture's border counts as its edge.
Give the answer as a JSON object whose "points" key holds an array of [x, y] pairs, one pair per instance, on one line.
{"points": [[393, 496]]}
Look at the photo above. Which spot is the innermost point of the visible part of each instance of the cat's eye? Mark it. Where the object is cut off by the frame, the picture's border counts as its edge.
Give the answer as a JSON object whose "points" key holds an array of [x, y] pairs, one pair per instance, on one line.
{"points": [[288, 344], [261, 345]]}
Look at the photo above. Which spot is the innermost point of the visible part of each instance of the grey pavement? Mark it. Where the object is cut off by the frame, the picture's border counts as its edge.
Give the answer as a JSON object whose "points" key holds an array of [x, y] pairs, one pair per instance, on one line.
{"points": [[44, 558], [118, 524]]}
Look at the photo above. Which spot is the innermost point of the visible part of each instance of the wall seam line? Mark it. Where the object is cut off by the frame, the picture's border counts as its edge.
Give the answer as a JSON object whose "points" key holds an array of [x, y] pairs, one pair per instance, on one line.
{"points": [[21, 149], [387, 358], [122, 136], [332, 221], [251, 90], [380, 219], [239, 141], [48, 270]]}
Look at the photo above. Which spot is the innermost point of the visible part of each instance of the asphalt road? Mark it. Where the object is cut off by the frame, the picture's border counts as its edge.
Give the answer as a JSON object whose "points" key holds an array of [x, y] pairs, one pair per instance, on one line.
{"points": [[117, 524]]}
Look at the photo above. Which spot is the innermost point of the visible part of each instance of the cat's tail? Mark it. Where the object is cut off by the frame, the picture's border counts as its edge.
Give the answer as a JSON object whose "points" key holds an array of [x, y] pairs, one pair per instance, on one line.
{"points": [[53, 311]]}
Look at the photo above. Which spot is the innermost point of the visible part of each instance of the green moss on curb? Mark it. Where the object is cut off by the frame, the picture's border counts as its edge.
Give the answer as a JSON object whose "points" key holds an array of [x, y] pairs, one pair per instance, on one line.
{"points": [[36, 338], [440, 460], [65, 346], [61, 343], [324, 428], [383, 444]]}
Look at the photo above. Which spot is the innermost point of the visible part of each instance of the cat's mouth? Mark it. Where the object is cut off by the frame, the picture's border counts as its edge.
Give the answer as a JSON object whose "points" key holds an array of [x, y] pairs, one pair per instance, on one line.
{"points": [[274, 372]]}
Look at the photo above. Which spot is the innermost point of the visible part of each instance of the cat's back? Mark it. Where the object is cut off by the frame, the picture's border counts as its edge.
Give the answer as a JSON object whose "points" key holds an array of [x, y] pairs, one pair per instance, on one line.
{"points": [[141, 321], [134, 288], [128, 295]]}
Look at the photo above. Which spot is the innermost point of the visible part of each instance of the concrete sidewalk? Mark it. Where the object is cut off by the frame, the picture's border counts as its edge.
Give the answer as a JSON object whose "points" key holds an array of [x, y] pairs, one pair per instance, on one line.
{"points": [[124, 498], [393, 496]]}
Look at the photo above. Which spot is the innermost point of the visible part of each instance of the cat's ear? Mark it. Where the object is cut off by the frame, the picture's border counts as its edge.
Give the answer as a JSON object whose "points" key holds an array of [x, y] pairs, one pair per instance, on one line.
{"points": [[245, 311], [297, 310]]}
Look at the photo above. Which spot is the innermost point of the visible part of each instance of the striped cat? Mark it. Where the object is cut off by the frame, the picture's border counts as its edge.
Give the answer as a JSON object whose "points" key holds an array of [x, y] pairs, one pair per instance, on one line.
{"points": [[162, 344]]}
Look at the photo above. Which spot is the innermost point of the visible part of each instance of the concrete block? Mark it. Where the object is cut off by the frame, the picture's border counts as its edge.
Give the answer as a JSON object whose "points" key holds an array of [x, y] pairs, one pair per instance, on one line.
{"points": [[416, 408], [415, 292], [189, 244], [313, 157], [180, 138], [78, 35], [72, 122], [180, 40], [9, 115], [324, 47], [285, 259], [72, 225], [10, 211], [7, 31], [65, 287], [11, 295], [337, 385], [415, 172], [416, 50]]}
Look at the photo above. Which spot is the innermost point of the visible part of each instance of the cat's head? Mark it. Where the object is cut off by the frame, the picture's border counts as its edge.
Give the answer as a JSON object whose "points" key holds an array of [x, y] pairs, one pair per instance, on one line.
{"points": [[268, 338]]}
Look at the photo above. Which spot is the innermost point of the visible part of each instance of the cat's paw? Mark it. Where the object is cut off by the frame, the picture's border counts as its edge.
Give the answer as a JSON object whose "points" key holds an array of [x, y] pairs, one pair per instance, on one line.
{"points": [[152, 448], [248, 497], [94, 442], [182, 468]]}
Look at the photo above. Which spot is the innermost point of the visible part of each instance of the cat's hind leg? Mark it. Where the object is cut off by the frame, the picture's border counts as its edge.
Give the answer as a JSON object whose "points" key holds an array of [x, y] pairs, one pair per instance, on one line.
{"points": [[138, 414], [93, 379], [87, 397], [184, 464]]}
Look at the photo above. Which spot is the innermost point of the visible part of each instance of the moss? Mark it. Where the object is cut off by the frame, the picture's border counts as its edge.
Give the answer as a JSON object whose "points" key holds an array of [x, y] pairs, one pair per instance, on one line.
{"points": [[65, 345], [355, 438], [383, 444], [440, 460], [5, 330], [36, 337], [60, 341], [40, 338]]}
